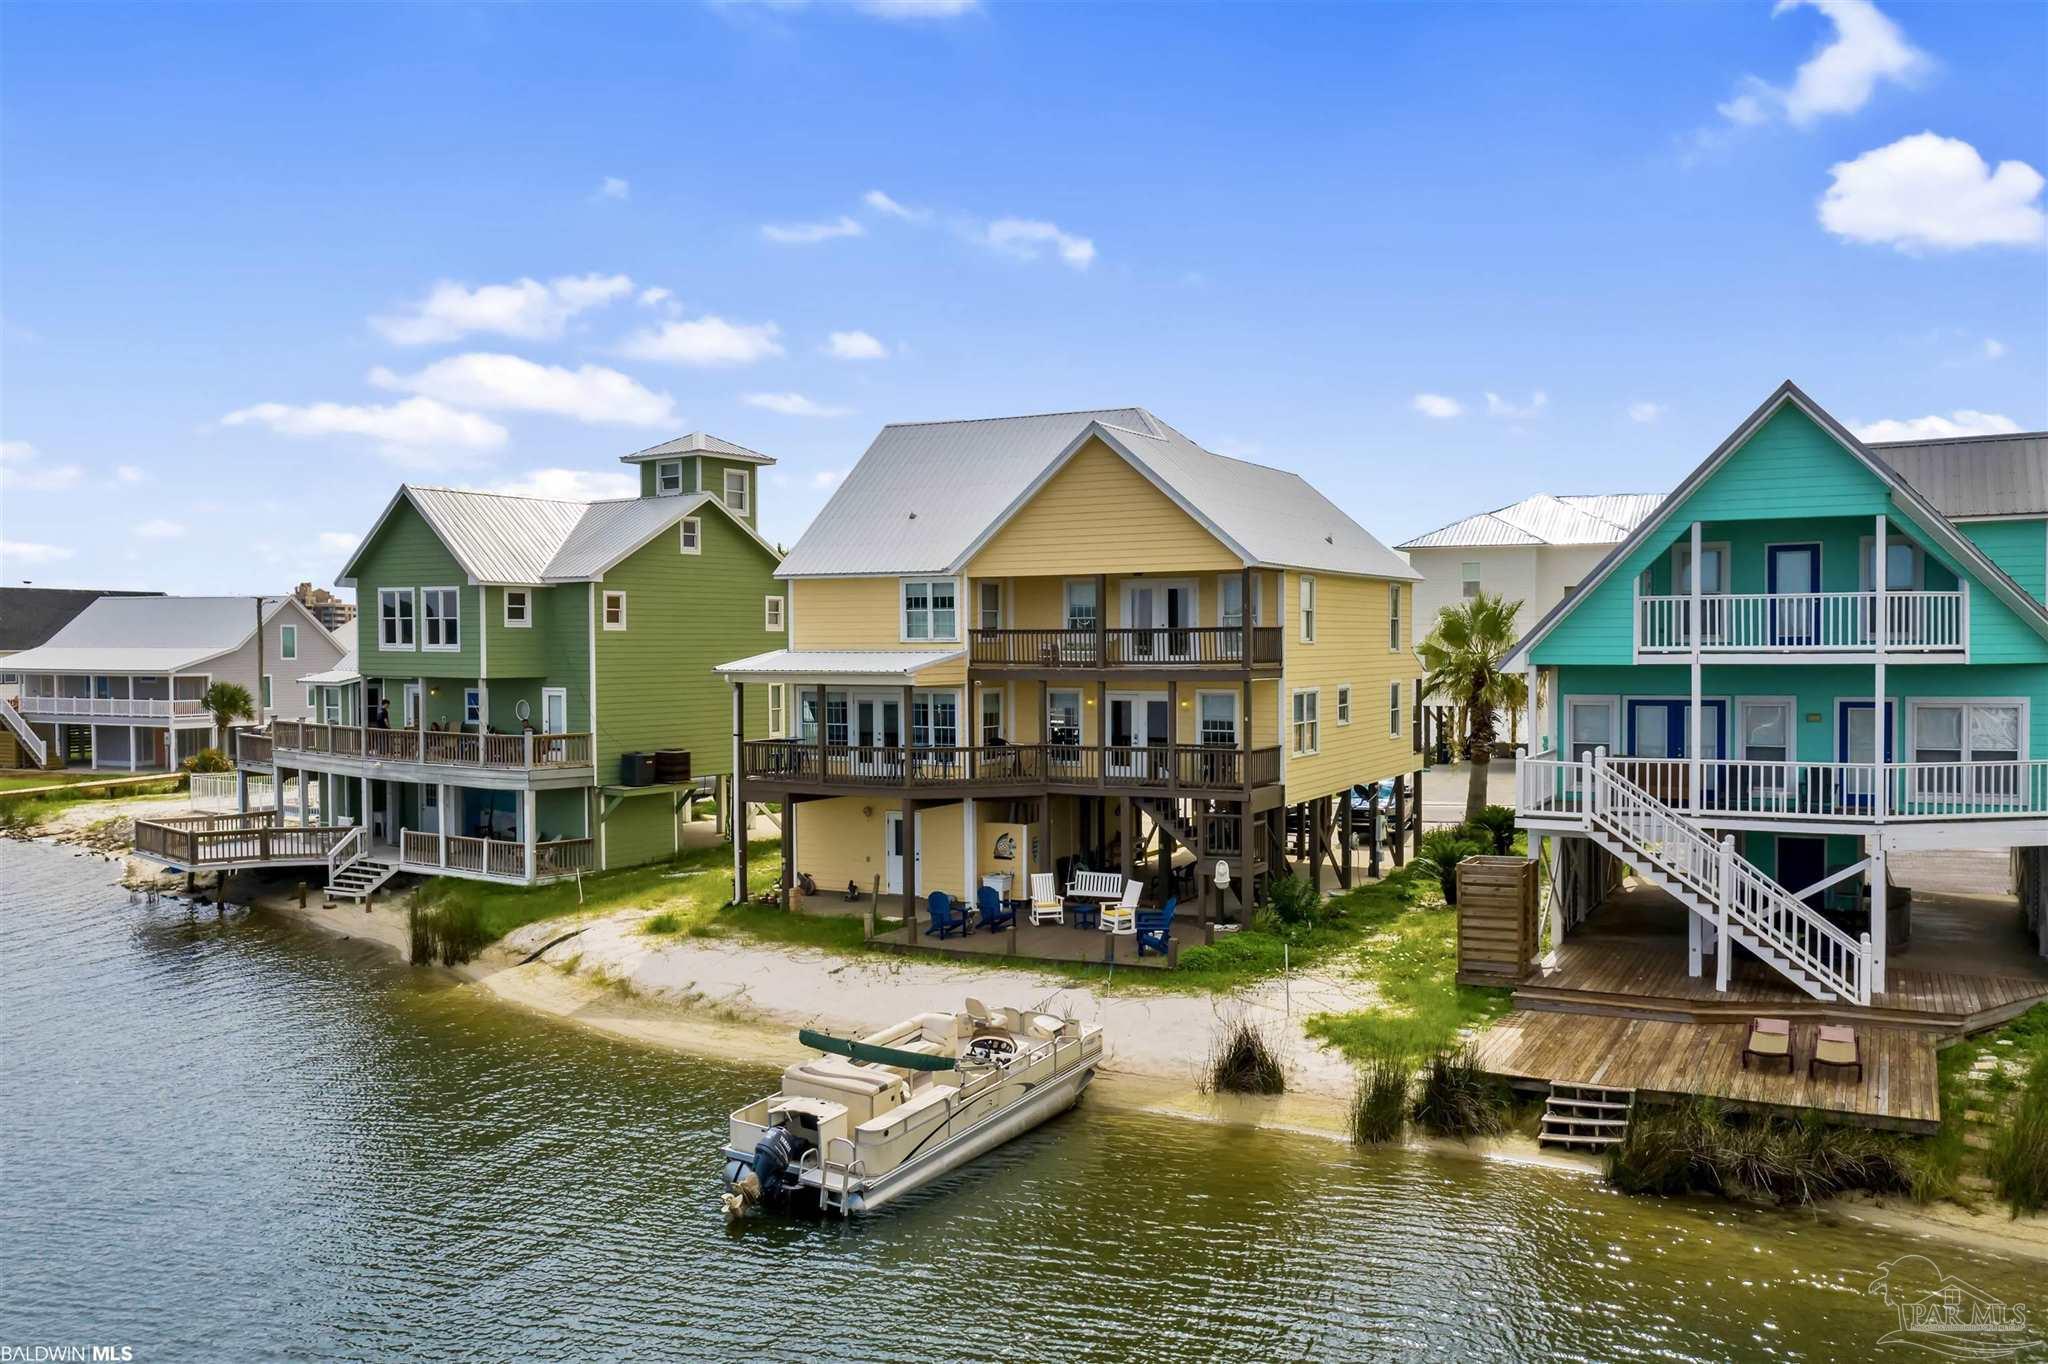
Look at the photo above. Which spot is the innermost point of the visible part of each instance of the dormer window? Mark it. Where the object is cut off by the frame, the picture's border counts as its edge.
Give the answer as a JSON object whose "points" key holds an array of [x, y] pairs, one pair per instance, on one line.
{"points": [[736, 498], [668, 478]]}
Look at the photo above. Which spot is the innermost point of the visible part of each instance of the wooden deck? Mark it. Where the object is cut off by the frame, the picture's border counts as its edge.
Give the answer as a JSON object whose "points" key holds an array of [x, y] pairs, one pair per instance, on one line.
{"points": [[1041, 942], [1660, 1060]]}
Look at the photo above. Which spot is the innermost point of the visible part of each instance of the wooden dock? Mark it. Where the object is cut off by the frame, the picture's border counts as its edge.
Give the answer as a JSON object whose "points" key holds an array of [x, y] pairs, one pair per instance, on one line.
{"points": [[1664, 1060]]}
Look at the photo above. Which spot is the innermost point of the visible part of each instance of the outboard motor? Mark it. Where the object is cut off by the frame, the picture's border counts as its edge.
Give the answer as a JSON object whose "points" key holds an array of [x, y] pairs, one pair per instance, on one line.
{"points": [[771, 1177]]}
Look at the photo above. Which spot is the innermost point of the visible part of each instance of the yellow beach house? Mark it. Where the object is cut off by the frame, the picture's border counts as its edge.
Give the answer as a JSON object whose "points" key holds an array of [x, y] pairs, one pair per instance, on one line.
{"points": [[1075, 640]]}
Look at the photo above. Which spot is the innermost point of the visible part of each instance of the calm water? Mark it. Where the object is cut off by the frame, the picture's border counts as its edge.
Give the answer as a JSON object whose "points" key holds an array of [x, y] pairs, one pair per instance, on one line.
{"points": [[238, 1138]]}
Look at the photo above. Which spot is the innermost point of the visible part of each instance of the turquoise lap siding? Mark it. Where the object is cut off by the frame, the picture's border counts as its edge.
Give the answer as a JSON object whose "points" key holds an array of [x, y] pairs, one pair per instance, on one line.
{"points": [[2018, 547]]}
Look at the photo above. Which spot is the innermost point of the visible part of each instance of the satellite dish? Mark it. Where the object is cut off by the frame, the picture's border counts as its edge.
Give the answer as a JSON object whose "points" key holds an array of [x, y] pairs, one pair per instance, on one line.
{"points": [[1222, 874], [524, 710]]}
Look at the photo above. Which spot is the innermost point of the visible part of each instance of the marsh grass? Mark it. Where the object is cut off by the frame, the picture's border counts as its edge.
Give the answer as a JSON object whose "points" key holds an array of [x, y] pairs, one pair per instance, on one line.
{"points": [[1456, 1099], [1379, 1106], [1245, 1060], [2018, 1162], [1702, 1147]]}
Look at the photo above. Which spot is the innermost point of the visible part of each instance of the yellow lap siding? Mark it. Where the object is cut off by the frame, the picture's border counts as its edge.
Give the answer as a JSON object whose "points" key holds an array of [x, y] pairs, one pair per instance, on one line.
{"points": [[863, 613], [845, 839], [1100, 512], [1351, 648]]}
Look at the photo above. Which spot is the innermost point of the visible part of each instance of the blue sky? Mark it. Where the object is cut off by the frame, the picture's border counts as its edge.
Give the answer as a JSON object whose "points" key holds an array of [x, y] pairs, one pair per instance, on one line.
{"points": [[261, 264]]}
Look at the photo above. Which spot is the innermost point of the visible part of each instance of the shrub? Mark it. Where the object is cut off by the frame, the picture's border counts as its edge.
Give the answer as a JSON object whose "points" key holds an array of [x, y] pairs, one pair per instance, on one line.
{"points": [[1293, 899], [1496, 824], [1380, 1105], [668, 921], [1245, 1061], [2019, 1154], [1457, 1100], [450, 932], [207, 760], [1442, 851]]}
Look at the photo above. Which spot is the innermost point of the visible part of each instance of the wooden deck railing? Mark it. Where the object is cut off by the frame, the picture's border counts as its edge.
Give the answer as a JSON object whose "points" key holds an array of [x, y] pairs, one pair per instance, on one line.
{"points": [[251, 748], [219, 840], [1187, 767], [1206, 646], [434, 748]]}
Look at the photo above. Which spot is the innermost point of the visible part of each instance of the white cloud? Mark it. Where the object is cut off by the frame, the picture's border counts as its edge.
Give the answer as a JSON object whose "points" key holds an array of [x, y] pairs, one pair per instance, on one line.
{"points": [[792, 405], [1963, 422], [525, 308], [406, 430], [707, 340], [613, 187], [1840, 78], [655, 297], [1436, 405], [1498, 406], [29, 552], [882, 203], [827, 478], [23, 470], [160, 528], [810, 234], [1994, 349], [572, 485], [909, 10], [128, 473], [855, 345], [509, 383], [338, 541], [1029, 239], [1645, 412], [1927, 192]]}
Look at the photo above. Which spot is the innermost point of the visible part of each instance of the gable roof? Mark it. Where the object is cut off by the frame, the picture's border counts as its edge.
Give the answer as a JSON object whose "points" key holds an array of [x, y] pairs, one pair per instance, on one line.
{"points": [[1546, 519], [1904, 494], [1973, 476], [504, 539], [696, 443], [30, 615], [152, 634], [918, 501]]}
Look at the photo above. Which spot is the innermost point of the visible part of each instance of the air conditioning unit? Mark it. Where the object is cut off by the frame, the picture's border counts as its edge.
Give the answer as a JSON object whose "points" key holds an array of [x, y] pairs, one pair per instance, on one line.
{"points": [[672, 766], [636, 769]]}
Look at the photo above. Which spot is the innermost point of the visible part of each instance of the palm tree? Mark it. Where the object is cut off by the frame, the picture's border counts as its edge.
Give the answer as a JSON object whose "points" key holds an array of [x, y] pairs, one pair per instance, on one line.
{"points": [[1461, 662], [228, 702]]}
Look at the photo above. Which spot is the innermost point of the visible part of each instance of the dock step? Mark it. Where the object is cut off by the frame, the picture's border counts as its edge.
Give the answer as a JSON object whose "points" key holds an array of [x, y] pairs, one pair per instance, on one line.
{"points": [[1590, 1116], [361, 878]]}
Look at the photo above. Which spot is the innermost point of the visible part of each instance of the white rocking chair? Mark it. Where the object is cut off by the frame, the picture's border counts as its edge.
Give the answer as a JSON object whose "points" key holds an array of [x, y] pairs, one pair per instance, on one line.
{"points": [[1046, 905], [1122, 917]]}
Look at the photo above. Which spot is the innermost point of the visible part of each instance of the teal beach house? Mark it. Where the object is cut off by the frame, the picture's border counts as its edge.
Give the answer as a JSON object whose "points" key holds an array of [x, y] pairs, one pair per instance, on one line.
{"points": [[1816, 654]]}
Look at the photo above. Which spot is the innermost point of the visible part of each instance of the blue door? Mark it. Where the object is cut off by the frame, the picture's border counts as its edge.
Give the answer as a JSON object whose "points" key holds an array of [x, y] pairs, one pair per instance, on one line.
{"points": [[1795, 573]]}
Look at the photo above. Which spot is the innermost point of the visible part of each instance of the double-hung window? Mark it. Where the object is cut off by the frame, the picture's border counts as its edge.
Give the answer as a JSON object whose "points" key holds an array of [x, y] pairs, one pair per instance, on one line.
{"points": [[266, 691], [736, 491], [692, 535], [518, 608], [1395, 637], [1218, 719], [1082, 607], [1393, 710], [1063, 724], [472, 706], [1308, 609], [1308, 723], [772, 617], [394, 618], [614, 611], [935, 720], [288, 642], [1468, 577], [991, 717], [668, 478], [1230, 600], [440, 618], [929, 609], [1344, 704], [990, 599], [1589, 725], [775, 710]]}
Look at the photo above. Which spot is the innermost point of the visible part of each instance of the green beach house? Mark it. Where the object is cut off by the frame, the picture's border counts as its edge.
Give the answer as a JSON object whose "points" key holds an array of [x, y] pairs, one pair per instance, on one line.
{"points": [[1816, 653], [531, 693]]}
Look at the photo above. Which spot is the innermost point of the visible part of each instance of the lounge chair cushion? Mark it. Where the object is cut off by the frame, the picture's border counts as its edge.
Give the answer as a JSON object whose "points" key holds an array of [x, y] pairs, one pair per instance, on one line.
{"points": [[1770, 1044], [1835, 1046]]}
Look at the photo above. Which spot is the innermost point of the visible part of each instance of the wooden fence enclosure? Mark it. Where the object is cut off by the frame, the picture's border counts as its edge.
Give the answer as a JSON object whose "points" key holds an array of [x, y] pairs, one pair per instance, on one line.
{"points": [[1497, 927]]}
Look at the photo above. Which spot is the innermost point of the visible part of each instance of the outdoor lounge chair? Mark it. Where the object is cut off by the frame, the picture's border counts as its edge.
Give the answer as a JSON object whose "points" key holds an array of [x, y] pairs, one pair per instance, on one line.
{"points": [[1155, 927], [1770, 1039], [994, 913], [947, 917], [1836, 1045], [1122, 917], [1046, 905]]}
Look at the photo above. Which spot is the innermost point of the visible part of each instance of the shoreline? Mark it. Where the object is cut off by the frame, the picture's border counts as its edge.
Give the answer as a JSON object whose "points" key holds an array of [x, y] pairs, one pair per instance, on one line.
{"points": [[732, 1027]]}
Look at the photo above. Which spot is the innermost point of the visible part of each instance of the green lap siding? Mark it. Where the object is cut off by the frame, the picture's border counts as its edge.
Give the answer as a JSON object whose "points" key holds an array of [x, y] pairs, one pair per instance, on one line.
{"points": [[640, 829], [406, 554], [525, 651]]}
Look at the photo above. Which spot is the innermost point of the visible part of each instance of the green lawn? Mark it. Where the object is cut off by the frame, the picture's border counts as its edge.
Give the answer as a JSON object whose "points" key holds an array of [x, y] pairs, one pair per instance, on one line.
{"points": [[26, 812], [23, 781]]}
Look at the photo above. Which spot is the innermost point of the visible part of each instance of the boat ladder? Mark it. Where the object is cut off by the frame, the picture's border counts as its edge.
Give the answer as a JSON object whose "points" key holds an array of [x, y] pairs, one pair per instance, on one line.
{"points": [[1592, 1116], [836, 1177]]}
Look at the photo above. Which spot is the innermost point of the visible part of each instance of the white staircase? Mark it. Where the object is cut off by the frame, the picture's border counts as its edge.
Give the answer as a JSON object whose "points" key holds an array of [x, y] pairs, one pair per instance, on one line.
{"points": [[352, 874], [1725, 889], [25, 735], [1592, 1116]]}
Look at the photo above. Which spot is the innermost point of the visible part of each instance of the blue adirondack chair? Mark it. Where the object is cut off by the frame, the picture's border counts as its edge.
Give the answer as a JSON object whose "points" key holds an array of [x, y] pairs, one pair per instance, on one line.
{"points": [[948, 917], [994, 912], [1155, 926]]}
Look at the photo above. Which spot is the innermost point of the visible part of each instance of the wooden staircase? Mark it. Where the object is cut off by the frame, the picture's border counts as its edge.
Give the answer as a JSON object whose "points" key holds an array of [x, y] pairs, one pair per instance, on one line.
{"points": [[360, 879], [1594, 1117]]}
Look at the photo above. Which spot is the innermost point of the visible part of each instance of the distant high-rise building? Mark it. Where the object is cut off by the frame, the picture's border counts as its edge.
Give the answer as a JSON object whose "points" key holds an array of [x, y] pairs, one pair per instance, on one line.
{"points": [[331, 611]]}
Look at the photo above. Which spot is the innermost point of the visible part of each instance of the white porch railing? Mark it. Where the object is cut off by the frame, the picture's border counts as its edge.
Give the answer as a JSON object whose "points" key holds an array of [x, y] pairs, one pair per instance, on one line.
{"points": [[109, 707], [1850, 793], [1775, 622]]}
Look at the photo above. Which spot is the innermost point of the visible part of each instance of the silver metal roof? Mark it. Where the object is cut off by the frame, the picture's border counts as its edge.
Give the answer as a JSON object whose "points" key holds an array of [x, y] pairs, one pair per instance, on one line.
{"points": [[927, 494], [348, 669], [497, 538], [696, 443], [146, 634], [1975, 475], [876, 663], [609, 531], [1545, 519]]}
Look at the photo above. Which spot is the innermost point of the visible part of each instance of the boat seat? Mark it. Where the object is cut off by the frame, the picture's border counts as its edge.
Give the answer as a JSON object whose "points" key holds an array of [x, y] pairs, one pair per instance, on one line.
{"points": [[935, 1097], [865, 1090]]}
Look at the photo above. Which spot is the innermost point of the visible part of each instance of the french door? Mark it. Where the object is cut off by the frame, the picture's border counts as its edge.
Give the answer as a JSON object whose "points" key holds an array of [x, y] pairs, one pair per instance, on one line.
{"points": [[1662, 729], [1140, 728], [878, 735], [1160, 615]]}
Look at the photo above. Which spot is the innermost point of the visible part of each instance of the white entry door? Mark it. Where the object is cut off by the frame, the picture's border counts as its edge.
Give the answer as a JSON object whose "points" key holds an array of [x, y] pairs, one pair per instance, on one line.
{"points": [[878, 736], [412, 706], [892, 848], [1162, 613], [554, 710]]}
